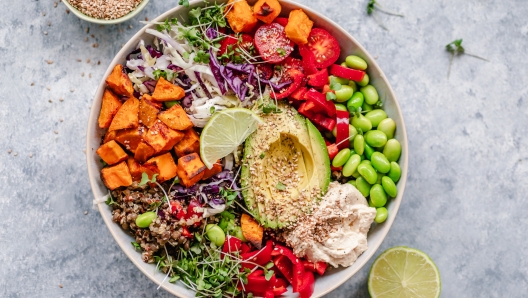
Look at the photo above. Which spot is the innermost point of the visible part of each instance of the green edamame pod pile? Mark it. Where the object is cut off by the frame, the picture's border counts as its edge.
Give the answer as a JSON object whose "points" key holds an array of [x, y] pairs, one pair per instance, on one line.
{"points": [[371, 162]]}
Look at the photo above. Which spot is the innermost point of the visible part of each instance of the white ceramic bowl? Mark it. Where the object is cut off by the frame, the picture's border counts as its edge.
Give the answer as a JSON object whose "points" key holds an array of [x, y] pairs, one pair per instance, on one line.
{"points": [[90, 19], [349, 46]]}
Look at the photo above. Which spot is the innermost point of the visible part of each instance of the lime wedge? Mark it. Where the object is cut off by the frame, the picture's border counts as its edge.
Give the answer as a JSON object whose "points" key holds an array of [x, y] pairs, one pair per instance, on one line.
{"points": [[404, 272], [224, 132]]}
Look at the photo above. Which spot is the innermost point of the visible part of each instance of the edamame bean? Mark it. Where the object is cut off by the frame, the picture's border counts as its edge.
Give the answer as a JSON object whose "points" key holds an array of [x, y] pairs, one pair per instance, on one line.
{"points": [[366, 162], [339, 80], [380, 162], [368, 151], [170, 104], [352, 182], [344, 64], [392, 150], [341, 158], [368, 172], [341, 107], [144, 220], [363, 186], [381, 214], [355, 102], [388, 126], [359, 144], [375, 138], [395, 172], [360, 122], [215, 234], [370, 203], [378, 195], [351, 165], [356, 174], [365, 107], [389, 186], [238, 233], [353, 85], [370, 93], [380, 176], [365, 81], [356, 62], [344, 94], [376, 116]]}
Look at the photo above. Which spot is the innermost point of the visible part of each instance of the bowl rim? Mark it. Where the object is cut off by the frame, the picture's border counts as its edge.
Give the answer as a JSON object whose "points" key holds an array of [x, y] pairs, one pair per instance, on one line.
{"points": [[366, 256], [90, 19]]}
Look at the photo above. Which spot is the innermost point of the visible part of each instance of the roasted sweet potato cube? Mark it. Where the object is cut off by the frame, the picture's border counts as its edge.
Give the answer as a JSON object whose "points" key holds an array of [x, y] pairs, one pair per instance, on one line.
{"points": [[148, 112], [208, 173], [143, 152], [166, 166], [190, 169], [240, 16], [109, 135], [109, 106], [167, 91], [116, 176], [127, 116], [299, 27], [252, 231], [161, 137], [148, 97], [189, 144], [176, 118], [134, 168], [267, 10], [111, 153], [119, 81], [130, 138]]}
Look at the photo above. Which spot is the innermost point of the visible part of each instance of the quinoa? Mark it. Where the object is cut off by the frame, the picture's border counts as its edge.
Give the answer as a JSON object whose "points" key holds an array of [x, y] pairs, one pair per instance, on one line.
{"points": [[166, 230], [105, 9]]}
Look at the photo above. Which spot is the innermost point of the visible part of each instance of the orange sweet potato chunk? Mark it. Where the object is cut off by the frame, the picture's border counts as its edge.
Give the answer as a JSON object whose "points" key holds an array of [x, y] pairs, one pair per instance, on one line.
{"points": [[109, 107], [252, 231], [240, 16], [298, 27], [208, 173], [148, 112], [116, 176], [161, 137], [267, 10], [166, 166], [176, 118], [190, 169], [109, 135], [148, 97], [127, 116], [130, 138], [119, 81], [143, 152], [189, 144], [111, 153], [167, 91], [135, 169]]}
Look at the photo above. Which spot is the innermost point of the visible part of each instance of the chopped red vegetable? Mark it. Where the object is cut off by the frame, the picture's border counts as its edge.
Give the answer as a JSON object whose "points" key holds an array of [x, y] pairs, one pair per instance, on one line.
{"points": [[298, 95], [308, 60], [297, 77], [282, 21], [332, 150], [272, 43], [258, 285], [320, 267], [232, 244], [324, 47], [185, 233], [284, 265], [320, 104], [297, 267], [177, 210], [343, 131], [260, 257], [318, 79], [245, 41], [347, 73], [307, 288]]}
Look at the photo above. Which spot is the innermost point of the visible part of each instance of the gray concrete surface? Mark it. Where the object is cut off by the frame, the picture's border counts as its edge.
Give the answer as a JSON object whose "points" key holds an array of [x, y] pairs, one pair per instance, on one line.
{"points": [[466, 198]]}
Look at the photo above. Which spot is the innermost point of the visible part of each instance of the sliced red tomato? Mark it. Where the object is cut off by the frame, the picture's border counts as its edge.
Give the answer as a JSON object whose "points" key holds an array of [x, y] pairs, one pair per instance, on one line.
{"points": [[231, 43], [308, 60], [318, 79], [324, 46], [297, 78], [265, 71], [272, 43]]}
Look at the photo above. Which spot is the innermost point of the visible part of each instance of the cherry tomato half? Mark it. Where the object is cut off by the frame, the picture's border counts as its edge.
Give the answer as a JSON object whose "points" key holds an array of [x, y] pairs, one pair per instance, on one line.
{"points": [[324, 46], [231, 43], [272, 43]]}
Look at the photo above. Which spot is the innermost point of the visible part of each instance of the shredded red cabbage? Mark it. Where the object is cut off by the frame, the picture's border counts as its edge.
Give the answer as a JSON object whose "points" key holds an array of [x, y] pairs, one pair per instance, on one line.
{"points": [[199, 78], [151, 85], [211, 33], [153, 52]]}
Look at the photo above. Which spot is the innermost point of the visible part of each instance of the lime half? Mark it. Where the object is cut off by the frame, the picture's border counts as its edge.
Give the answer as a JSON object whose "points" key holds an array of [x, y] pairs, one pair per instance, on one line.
{"points": [[404, 272], [224, 132]]}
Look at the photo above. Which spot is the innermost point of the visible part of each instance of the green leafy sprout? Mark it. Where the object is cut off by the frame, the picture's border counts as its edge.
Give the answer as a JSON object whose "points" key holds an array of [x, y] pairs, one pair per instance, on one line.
{"points": [[373, 5], [455, 48]]}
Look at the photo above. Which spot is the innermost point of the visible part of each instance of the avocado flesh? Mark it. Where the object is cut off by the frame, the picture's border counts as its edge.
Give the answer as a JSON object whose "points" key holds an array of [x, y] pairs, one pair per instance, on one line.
{"points": [[285, 152]]}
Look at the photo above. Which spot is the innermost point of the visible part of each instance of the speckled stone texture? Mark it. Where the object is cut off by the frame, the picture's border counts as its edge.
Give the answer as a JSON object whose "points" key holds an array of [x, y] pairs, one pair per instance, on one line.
{"points": [[466, 197]]}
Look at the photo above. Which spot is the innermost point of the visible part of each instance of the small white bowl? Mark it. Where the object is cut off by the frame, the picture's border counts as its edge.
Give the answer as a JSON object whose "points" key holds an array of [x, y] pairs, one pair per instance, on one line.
{"points": [[349, 46], [90, 19]]}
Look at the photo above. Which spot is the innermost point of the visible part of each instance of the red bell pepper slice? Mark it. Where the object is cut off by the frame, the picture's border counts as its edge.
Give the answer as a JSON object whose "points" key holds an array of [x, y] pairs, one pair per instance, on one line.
{"points": [[298, 94], [339, 169], [297, 77], [185, 233], [308, 60], [332, 150], [260, 257], [177, 210], [231, 245], [318, 79], [297, 267], [343, 132], [258, 285], [269, 294], [323, 122], [320, 267], [320, 103], [307, 288], [308, 266], [347, 73], [285, 266], [245, 248]]}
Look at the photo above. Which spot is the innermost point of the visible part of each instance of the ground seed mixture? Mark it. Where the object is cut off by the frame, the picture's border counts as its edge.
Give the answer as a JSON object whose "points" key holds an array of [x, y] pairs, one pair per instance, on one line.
{"points": [[105, 9]]}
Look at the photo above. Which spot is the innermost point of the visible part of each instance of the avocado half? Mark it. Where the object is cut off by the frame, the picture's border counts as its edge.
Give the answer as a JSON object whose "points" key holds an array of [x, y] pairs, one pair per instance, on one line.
{"points": [[286, 168]]}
